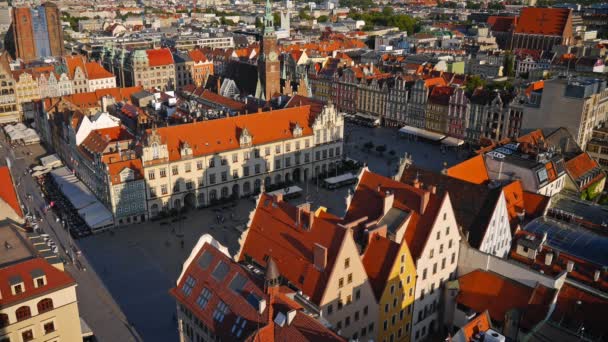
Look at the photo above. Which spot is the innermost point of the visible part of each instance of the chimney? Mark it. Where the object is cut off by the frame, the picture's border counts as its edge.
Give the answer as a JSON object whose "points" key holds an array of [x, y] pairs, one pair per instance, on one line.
{"points": [[570, 266], [320, 257], [548, 259], [424, 201], [261, 305], [278, 197], [349, 198], [596, 275], [291, 314], [389, 198]]}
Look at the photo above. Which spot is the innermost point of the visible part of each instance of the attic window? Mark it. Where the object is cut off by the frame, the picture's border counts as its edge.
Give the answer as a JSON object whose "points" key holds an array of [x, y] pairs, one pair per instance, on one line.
{"points": [[39, 278], [297, 131], [17, 285]]}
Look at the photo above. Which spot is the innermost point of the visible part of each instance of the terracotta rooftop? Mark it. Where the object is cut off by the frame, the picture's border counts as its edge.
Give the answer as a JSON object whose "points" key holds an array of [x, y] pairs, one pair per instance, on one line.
{"points": [[518, 201], [197, 55], [159, 57], [378, 260], [213, 136], [73, 62], [98, 140], [485, 290], [316, 106], [25, 272], [502, 24], [274, 232], [8, 194], [543, 21], [95, 71], [472, 170], [222, 100], [583, 165]]}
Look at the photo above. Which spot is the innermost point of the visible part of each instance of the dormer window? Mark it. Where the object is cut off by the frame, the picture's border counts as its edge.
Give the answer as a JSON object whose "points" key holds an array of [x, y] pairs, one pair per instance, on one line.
{"points": [[17, 285], [39, 278], [297, 131], [245, 140], [186, 150]]}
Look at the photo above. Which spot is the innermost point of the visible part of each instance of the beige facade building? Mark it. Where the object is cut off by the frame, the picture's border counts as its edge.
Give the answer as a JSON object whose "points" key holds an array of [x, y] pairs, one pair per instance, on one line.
{"points": [[9, 111], [201, 163]]}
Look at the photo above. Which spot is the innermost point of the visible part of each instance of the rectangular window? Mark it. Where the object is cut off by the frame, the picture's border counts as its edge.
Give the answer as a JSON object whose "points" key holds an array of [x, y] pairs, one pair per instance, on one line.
{"points": [[212, 178], [434, 268], [432, 252], [235, 174], [199, 165], [27, 335], [152, 192], [188, 167], [443, 263], [188, 285], [48, 327], [220, 311], [330, 309], [337, 151], [346, 262], [235, 157], [267, 151], [288, 147], [174, 170], [450, 244], [340, 283], [224, 176], [424, 274], [176, 187], [212, 162], [245, 171], [277, 149], [203, 299], [357, 294], [246, 155], [277, 164], [224, 161], [163, 189], [163, 173], [189, 185], [350, 278], [151, 174], [453, 258], [257, 168]]}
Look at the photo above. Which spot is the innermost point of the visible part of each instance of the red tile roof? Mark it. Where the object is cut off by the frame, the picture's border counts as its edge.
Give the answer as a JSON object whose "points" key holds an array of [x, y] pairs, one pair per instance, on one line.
{"points": [[223, 101], [213, 136], [73, 62], [378, 260], [480, 323], [95, 71], [368, 201], [518, 201], [441, 95], [197, 55], [114, 169], [158, 57], [98, 140], [543, 21], [502, 24], [472, 170], [316, 106], [55, 278], [576, 307], [7, 190], [485, 290], [274, 232], [581, 165]]}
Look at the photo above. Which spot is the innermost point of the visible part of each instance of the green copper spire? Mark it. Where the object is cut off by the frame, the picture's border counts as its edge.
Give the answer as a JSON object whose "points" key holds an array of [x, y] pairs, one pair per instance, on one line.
{"points": [[268, 19]]}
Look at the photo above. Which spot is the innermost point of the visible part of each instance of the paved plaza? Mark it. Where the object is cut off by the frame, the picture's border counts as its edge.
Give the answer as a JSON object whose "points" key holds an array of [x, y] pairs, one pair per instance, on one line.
{"points": [[140, 263]]}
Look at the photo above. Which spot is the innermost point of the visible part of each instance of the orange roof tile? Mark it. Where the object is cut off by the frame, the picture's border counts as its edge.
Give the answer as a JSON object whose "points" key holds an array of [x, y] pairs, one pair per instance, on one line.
{"points": [[580, 165], [518, 201], [534, 86], [7, 190], [435, 81], [55, 278], [485, 290], [213, 136], [197, 55], [158, 57], [472, 170], [73, 62], [378, 260], [274, 232], [480, 323], [114, 169], [543, 21], [96, 71]]}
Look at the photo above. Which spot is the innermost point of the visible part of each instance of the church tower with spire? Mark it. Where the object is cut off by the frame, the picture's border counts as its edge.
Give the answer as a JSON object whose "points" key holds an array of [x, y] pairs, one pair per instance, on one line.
{"points": [[269, 71]]}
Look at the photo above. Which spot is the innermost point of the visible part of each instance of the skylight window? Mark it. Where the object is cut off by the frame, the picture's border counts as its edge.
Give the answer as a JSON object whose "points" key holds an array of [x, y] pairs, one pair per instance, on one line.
{"points": [[205, 259], [203, 299], [237, 283], [220, 312], [220, 271], [188, 285]]}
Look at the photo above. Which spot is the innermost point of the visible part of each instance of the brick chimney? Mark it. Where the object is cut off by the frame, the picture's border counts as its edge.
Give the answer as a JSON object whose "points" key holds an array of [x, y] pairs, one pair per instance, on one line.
{"points": [[278, 197], [320, 257], [424, 201], [389, 198]]}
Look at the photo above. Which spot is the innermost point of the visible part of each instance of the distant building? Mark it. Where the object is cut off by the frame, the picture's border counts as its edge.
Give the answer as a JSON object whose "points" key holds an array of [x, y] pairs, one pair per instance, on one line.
{"points": [[36, 32], [597, 147], [542, 28]]}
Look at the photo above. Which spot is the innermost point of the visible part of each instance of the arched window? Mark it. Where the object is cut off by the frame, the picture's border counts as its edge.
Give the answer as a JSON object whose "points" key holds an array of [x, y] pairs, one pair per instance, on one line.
{"points": [[155, 153], [23, 313], [3, 320], [45, 305]]}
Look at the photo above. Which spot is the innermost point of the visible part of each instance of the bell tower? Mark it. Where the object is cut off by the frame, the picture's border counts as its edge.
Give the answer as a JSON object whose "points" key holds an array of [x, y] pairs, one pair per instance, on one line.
{"points": [[269, 72]]}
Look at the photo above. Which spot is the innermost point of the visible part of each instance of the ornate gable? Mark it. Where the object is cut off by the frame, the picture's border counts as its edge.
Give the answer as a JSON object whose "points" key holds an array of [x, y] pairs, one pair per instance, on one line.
{"points": [[246, 139]]}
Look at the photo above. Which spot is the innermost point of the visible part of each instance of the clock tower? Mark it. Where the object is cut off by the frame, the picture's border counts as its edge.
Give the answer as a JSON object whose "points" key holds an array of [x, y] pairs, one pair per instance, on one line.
{"points": [[269, 75]]}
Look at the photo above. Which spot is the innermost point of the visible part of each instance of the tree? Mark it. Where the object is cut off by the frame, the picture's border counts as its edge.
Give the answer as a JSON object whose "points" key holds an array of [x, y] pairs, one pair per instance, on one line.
{"points": [[474, 82], [303, 14], [509, 65], [322, 19]]}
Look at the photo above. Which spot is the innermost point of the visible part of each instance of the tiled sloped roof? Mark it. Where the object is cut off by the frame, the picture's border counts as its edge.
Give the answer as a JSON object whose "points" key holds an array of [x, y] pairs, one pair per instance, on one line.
{"points": [[473, 204], [73, 62], [274, 232], [99, 139], [582, 164], [544, 21], [222, 100], [368, 201], [96, 71], [472, 170], [114, 169], [502, 24], [8, 194], [480, 323], [519, 201], [441, 95], [378, 260], [434, 81], [213, 136], [485, 290], [197, 55], [158, 57], [236, 300], [576, 307], [316, 106], [55, 279]]}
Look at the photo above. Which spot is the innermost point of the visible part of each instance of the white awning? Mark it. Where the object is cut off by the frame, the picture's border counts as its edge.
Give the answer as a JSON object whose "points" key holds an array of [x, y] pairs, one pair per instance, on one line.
{"points": [[51, 161], [451, 141], [423, 133]]}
